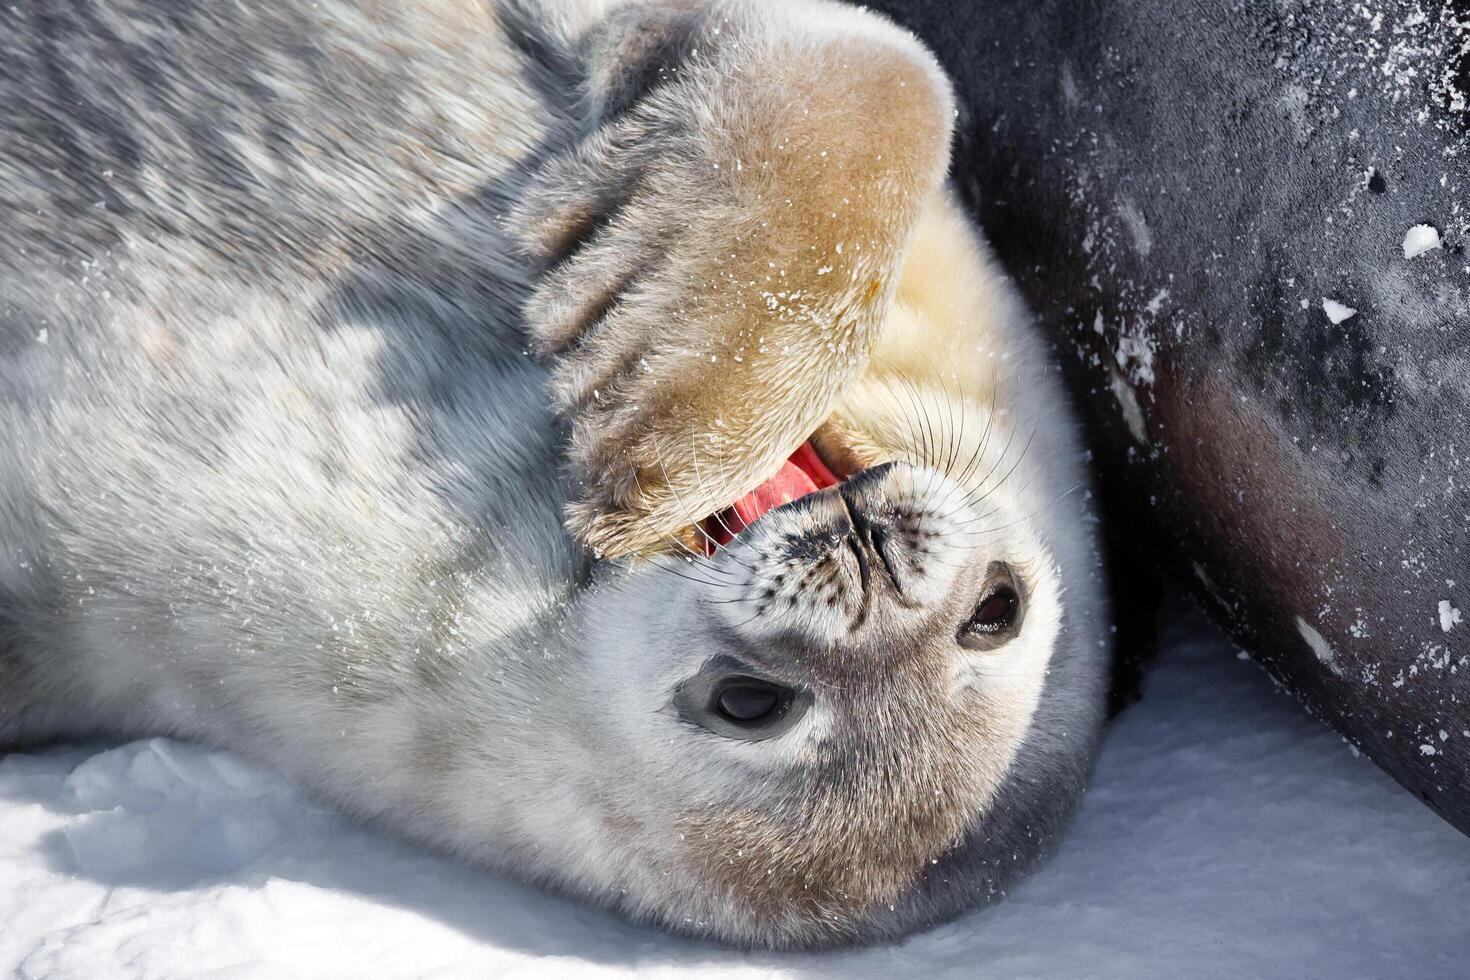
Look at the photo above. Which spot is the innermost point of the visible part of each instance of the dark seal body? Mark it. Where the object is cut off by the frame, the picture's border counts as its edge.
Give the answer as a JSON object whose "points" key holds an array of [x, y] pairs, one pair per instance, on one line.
{"points": [[1193, 196]]}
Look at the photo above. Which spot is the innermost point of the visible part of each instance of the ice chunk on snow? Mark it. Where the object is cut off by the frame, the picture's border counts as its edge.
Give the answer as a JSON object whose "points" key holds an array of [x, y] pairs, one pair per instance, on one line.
{"points": [[1337, 312], [1449, 616], [1420, 239]]}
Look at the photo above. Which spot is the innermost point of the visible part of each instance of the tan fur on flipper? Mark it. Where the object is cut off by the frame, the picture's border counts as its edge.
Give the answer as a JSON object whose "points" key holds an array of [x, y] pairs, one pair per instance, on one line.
{"points": [[732, 242]]}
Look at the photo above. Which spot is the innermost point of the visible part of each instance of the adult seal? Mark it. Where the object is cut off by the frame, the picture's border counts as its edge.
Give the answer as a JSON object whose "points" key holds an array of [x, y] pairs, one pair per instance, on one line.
{"points": [[1243, 226]]}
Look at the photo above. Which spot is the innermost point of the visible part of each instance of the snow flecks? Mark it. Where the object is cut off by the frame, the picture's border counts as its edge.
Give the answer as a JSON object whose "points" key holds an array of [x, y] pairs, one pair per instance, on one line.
{"points": [[43, 336], [1138, 230], [1336, 311], [1420, 239], [1135, 348], [1449, 616], [1069, 86], [1128, 402], [1135, 352], [1319, 645], [1396, 70], [1157, 303], [1209, 587], [1428, 749], [1293, 103]]}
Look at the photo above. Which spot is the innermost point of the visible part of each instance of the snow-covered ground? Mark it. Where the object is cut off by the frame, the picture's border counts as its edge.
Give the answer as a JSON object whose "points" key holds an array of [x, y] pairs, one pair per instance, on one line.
{"points": [[1227, 834]]}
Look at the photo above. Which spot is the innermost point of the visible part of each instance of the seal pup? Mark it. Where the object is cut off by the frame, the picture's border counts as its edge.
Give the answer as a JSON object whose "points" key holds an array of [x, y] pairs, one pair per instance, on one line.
{"points": [[279, 474]]}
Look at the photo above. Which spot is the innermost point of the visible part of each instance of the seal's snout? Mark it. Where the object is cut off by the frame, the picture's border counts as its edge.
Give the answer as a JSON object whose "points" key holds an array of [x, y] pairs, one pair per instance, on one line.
{"points": [[866, 561], [874, 538]]}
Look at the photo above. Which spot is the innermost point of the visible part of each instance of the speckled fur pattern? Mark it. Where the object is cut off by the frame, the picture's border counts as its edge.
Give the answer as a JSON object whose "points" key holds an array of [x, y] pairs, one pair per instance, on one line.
{"points": [[344, 344]]}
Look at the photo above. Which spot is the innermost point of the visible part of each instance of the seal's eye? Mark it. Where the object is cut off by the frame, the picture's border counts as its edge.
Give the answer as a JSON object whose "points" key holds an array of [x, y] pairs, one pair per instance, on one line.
{"points": [[748, 703], [740, 705], [995, 611], [997, 616], [749, 707]]}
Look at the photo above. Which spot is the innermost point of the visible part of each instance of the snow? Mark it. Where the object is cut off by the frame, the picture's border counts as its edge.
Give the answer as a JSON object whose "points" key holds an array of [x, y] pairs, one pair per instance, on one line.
{"points": [[1319, 645], [1227, 834], [1137, 225], [1128, 402], [1449, 616], [1337, 312], [1420, 239]]}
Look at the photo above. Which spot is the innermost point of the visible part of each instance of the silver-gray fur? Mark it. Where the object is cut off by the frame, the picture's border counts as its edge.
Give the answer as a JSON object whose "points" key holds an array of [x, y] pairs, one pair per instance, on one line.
{"points": [[278, 470]]}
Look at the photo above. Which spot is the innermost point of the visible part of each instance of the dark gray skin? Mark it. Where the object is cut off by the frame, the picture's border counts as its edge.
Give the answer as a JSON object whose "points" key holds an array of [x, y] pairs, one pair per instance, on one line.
{"points": [[1250, 158]]}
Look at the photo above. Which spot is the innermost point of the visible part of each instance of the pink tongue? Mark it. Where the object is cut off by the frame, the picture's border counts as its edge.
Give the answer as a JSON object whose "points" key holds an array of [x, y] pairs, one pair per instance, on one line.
{"points": [[800, 475]]}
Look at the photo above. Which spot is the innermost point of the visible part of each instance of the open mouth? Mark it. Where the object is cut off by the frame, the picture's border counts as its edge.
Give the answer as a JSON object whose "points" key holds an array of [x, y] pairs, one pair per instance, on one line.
{"points": [[803, 472]]}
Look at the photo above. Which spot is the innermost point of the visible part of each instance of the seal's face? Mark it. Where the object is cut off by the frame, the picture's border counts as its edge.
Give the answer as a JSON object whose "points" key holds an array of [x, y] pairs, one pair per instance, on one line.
{"points": [[810, 719]]}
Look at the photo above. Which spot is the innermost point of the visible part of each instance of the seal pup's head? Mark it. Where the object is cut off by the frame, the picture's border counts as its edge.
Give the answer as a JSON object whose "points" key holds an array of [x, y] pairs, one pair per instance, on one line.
{"points": [[870, 706], [863, 695]]}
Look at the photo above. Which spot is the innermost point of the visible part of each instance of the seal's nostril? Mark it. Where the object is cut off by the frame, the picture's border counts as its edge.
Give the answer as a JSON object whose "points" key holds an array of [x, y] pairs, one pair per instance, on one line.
{"points": [[866, 537], [861, 553], [878, 536]]}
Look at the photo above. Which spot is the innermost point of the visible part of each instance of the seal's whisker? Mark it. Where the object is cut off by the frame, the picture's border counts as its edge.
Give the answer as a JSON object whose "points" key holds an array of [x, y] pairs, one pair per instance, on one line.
{"points": [[1029, 514], [694, 522], [982, 486], [723, 576], [701, 560], [910, 418], [921, 410], [932, 441], [733, 534], [984, 440], [923, 430], [698, 475], [951, 445], [1025, 448], [654, 561]]}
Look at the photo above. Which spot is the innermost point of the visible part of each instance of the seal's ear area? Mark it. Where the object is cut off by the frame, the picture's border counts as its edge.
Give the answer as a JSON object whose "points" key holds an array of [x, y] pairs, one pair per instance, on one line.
{"points": [[717, 254]]}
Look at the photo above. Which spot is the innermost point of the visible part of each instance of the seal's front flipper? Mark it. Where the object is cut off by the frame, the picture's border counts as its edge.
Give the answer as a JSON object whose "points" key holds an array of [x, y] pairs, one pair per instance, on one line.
{"points": [[718, 252]]}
